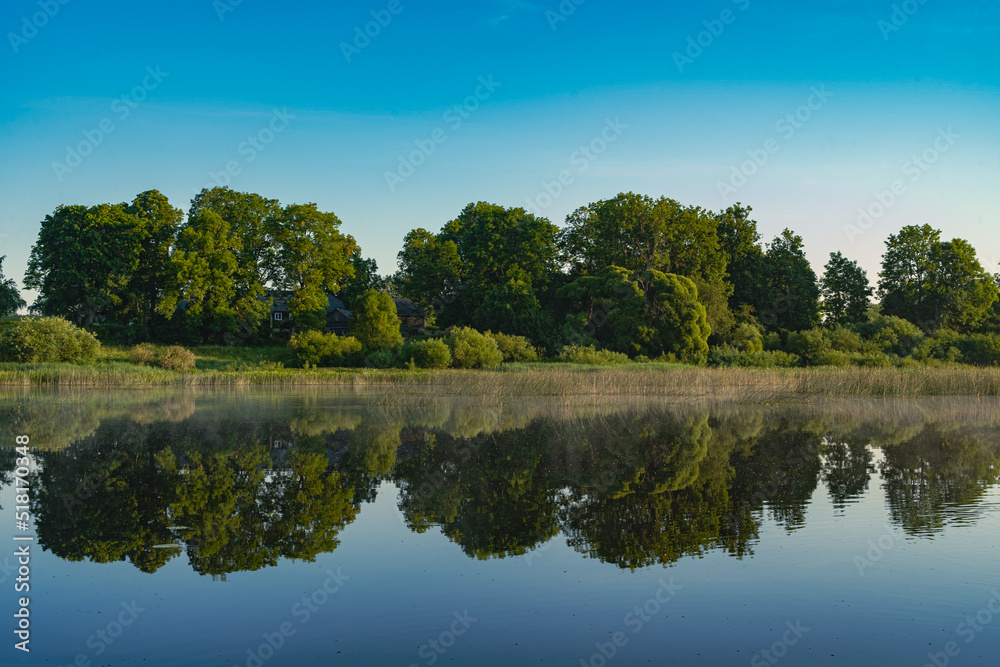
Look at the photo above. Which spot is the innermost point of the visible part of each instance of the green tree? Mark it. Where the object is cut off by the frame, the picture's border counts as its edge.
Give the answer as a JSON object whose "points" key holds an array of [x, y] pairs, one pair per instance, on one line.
{"points": [[201, 282], [374, 323], [651, 313], [10, 296], [253, 222], [933, 283], [963, 292], [792, 294], [430, 271], [365, 277], [739, 242], [639, 234], [846, 291], [906, 268], [84, 261], [312, 259], [159, 222]]}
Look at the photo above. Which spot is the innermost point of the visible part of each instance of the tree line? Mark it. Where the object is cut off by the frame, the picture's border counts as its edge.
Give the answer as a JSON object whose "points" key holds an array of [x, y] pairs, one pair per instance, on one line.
{"points": [[631, 274]]}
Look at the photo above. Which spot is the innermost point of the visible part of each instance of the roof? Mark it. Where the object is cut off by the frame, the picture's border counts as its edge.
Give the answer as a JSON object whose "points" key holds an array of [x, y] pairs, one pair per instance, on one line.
{"points": [[279, 303], [407, 308]]}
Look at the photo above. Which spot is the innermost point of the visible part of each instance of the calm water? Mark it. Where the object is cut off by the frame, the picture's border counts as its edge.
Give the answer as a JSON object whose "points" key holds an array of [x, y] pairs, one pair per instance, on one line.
{"points": [[316, 528]]}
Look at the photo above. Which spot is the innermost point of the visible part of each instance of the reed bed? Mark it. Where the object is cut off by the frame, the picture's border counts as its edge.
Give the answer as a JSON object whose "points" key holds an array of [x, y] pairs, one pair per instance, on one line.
{"points": [[737, 384]]}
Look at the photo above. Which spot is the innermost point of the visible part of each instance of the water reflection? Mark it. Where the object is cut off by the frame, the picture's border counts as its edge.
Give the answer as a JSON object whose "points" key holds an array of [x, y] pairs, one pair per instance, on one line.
{"points": [[235, 482]]}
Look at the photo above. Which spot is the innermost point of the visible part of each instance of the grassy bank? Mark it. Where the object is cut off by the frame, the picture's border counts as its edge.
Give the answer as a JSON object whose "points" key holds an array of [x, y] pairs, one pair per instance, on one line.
{"points": [[541, 379]]}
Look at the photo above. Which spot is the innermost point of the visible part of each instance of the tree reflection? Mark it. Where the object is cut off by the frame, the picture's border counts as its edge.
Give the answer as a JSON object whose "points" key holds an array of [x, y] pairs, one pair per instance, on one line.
{"points": [[491, 494], [124, 495], [939, 477], [238, 485]]}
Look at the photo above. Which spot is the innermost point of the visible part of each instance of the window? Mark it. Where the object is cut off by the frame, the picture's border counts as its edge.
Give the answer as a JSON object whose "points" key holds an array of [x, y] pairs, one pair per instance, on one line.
{"points": [[278, 317]]}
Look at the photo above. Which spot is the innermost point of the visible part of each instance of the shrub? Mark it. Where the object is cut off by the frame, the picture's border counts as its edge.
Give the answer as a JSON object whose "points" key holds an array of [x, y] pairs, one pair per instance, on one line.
{"points": [[427, 354], [176, 358], [591, 356], [892, 335], [381, 359], [514, 348], [808, 344], [144, 354], [471, 349], [844, 340], [944, 345], [982, 349], [730, 356], [315, 348], [875, 360], [746, 338], [831, 358], [374, 323], [48, 339], [311, 348]]}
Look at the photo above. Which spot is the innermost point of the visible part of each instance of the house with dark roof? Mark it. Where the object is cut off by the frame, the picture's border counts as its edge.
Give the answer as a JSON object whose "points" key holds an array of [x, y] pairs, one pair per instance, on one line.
{"points": [[338, 317]]}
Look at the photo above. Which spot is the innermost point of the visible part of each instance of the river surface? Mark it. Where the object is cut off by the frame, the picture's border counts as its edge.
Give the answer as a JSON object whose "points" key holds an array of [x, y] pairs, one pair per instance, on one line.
{"points": [[319, 527]]}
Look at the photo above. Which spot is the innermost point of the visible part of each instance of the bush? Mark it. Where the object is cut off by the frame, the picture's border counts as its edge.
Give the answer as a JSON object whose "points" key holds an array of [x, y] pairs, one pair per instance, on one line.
{"points": [[746, 338], [315, 348], [944, 345], [471, 349], [808, 344], [374, 322], [48, 339], [144, 354], [591, 356], [876, 360], [381, 359], [730, 356], [844, 340], [174, 358], [892, 335], [831, 358], [427, 354], [514, 348], [982, 349]]}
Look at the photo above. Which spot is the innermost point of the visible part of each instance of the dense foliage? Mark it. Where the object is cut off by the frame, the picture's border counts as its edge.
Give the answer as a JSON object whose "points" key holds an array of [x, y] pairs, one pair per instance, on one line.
{"points": [[627, 277], [47, 339]]}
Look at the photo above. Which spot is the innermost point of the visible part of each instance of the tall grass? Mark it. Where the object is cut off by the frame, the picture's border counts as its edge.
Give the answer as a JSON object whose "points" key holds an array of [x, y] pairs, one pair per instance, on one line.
{"points": [[739, 384]]}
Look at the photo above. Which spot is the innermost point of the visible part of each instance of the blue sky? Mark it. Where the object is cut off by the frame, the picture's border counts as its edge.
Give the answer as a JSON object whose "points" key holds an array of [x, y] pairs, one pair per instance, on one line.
{"points": [[881, 95]]}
